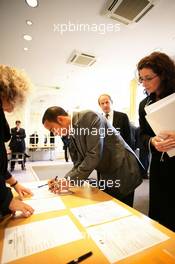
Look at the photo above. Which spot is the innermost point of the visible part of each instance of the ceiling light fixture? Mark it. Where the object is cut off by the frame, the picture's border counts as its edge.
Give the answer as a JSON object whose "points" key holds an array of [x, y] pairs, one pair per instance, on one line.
{"points": [[32, 3], [29, 22], [25, 49], [27, 37]]}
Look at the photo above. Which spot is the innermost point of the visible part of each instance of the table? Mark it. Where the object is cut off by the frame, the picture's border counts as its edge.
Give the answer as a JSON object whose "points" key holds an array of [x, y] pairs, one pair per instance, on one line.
{"points": [[33, 149], [161, 253]]}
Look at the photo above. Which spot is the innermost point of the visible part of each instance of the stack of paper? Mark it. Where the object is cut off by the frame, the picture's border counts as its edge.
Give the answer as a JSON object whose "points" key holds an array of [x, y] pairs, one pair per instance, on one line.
{"points": [[160, 116]]}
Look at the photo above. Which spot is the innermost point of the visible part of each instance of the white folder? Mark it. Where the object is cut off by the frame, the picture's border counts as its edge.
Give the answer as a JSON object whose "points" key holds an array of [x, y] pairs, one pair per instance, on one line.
{"points": [[161, 116]]}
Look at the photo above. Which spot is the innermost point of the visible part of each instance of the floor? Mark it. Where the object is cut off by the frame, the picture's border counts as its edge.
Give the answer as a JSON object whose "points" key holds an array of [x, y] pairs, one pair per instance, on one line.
{"points": [[141, 193]]}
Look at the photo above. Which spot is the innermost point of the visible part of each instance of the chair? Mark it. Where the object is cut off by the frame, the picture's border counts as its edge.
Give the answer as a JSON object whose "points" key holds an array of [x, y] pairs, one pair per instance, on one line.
{"points": [[17, 157]]}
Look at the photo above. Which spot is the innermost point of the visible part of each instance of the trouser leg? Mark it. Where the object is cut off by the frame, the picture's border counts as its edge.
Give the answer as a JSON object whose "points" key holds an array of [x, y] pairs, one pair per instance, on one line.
{"points": [[12, 163]]}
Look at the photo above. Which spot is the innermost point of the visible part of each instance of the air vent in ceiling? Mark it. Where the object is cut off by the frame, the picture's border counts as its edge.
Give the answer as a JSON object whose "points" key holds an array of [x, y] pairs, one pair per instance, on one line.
{"points": [[82, 59], [127, 11]]}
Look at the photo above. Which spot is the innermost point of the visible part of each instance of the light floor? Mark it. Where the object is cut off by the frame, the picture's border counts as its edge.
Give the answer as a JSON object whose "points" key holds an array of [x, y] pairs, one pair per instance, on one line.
{"points": [[141, 193]]}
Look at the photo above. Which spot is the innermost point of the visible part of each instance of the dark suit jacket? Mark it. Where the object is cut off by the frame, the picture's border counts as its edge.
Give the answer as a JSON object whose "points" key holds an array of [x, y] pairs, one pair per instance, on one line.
{"points": [[17, 142], [95, 144], [5, 193], [122, 124]]}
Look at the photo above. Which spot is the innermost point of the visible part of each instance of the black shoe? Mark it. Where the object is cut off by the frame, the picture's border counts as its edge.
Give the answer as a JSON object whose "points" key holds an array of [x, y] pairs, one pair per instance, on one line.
{"points": [[23, 167], [27, 156]]}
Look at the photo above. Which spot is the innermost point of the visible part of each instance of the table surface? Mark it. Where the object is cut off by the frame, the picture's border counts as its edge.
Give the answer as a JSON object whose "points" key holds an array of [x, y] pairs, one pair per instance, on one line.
{"points": [[162, 253]]}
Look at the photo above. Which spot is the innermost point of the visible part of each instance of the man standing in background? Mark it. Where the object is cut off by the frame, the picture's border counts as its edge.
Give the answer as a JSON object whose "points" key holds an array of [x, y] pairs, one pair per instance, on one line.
{"points": [[17, 144], [118, 119]]}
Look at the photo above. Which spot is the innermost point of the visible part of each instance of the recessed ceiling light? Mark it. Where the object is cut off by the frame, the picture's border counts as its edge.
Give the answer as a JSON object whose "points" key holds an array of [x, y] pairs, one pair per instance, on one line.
{"points": [[32, 3], [29, 22], [25, 49], [27, 37]]}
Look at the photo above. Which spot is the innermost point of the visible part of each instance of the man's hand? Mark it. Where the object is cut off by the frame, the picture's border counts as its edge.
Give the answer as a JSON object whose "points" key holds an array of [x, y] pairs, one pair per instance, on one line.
{"points": [[58, 186], [17, 205]]}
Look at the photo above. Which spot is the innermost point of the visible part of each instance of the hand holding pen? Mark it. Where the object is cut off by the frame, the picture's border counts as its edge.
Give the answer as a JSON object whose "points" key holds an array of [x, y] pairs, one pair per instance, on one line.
{"points": [[59, 186], [50, 182]]}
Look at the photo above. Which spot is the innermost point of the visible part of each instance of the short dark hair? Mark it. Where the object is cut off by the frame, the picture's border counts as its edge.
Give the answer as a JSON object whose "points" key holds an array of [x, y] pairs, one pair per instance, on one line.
{"points": [[105, 95], [52, 112], [18, 122]]}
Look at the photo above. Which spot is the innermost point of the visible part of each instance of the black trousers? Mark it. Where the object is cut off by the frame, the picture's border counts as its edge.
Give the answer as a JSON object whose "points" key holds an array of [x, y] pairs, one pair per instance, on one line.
{"points": [[66, 154], [18, 156], [162, 189], [128, 199]]}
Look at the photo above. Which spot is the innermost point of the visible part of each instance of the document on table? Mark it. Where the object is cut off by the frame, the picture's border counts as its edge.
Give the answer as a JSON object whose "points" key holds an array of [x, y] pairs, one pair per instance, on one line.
{"points": [[24, 240], [160, 116], [39, 193], [99, 213], [46, 205], [125, 237]]}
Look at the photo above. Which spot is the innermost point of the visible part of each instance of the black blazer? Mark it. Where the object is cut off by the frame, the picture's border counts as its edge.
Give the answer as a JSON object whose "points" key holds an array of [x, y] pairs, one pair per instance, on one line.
{"points": [[122, 124], [17, 143], [5, 192]]}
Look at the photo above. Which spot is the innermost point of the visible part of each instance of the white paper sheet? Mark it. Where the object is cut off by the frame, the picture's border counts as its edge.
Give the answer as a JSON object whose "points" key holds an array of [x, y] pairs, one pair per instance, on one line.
{"points": [[99, 213], [46, 205], [160, 116], [159, 104], [39, 193], [125, 237], [25, 240]]}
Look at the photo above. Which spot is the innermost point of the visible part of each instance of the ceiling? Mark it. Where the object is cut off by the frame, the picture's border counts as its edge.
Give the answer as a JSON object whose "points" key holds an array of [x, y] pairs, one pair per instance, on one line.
{"points": [[46, 59]]}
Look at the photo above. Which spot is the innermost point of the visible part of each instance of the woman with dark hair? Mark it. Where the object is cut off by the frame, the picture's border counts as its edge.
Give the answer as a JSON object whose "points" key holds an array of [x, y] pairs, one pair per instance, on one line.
{"points": [[157, 75]]}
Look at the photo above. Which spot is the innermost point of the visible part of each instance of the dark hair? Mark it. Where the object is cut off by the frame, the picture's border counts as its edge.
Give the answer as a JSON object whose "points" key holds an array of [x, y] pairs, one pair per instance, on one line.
{"points": [[52, 112], [105, 95], [18, 122], [164, 67]]}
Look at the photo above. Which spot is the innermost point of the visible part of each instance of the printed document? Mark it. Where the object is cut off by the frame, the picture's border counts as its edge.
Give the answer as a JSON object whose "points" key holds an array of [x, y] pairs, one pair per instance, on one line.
{"points": [[125, 237], [99, 213], [24, 240]]}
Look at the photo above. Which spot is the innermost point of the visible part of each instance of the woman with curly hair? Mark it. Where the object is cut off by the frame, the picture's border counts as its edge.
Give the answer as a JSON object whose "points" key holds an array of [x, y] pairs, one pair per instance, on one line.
{"points": [[14, 87], [157, 75]]}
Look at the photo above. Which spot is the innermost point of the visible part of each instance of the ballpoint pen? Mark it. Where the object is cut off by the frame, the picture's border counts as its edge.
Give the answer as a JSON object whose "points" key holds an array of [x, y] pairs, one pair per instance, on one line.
{"points": [[81, 258], [47, 183], [42, 185]]}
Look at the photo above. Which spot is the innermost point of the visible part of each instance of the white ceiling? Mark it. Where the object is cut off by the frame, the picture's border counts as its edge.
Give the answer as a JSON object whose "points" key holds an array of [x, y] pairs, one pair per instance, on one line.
{"points": [[117, 52]]}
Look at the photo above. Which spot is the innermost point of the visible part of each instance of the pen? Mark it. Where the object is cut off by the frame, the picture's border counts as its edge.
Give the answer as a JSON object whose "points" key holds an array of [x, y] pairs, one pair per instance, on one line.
{"points": [[47, 183], [81, 258], [42, 185]]}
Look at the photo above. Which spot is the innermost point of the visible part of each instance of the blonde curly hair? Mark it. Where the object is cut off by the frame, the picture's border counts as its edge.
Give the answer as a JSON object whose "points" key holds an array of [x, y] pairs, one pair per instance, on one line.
{"points": [[14, 85]]}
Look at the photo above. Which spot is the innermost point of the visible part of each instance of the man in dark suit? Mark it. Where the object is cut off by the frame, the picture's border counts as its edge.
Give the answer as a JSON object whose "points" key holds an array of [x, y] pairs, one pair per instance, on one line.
{"points": [[17, 144], [95, 144], [118, 119], [65, 141]]}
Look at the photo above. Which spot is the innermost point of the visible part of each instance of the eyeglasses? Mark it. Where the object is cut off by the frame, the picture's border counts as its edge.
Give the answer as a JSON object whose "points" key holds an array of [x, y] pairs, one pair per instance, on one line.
{"points": [[147, 79]]}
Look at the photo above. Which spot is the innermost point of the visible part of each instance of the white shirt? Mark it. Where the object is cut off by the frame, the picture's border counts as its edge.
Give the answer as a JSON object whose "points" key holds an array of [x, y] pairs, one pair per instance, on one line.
{"points": [[110, 116]]}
